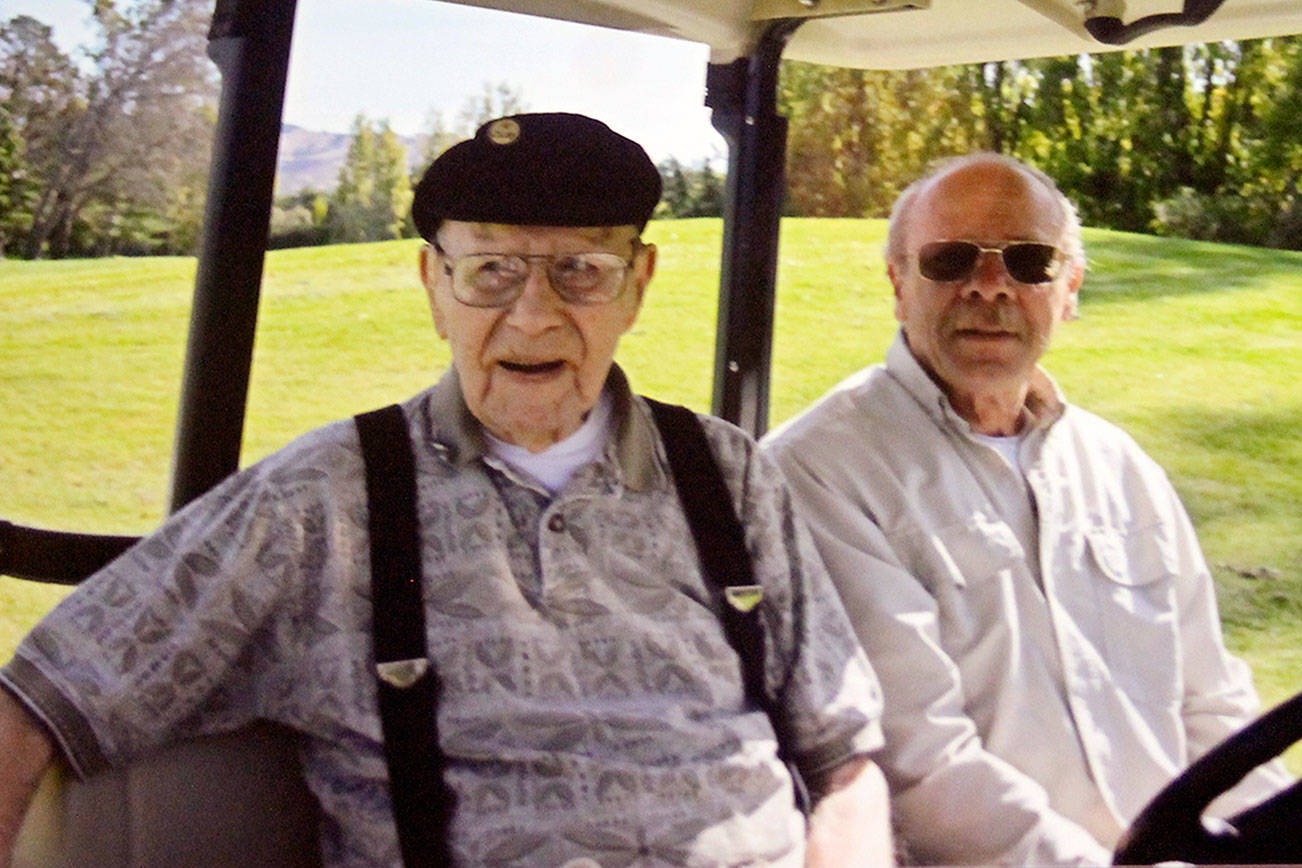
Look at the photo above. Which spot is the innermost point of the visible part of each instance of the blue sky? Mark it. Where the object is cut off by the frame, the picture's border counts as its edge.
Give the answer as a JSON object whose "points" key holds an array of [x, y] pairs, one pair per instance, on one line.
{"points": [[405, 59]]}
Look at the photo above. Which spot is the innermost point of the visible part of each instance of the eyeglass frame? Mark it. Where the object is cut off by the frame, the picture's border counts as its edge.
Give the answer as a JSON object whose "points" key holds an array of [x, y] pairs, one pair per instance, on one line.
{"points": [[449, 262], [1059, 257]]}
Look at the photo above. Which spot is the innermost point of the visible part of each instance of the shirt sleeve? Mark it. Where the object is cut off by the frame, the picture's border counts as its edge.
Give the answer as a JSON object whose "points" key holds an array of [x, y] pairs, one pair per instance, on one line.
{"points": [[953, 802], [197, 629], [815, 666]]}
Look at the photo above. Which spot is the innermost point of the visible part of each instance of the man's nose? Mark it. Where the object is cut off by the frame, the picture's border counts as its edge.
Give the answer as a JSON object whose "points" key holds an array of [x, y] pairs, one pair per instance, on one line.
{"points": [[989, 280], [539, 306]]}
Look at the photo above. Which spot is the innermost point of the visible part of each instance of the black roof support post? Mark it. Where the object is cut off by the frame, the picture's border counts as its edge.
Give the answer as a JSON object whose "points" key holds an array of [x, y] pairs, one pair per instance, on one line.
{"points": [[743, 98], [249, 41]]}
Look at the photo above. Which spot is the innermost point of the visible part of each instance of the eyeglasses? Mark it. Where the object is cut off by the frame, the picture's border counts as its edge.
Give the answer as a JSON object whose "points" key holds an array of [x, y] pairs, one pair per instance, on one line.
{"points": [[1025, 261], [498, 279]]}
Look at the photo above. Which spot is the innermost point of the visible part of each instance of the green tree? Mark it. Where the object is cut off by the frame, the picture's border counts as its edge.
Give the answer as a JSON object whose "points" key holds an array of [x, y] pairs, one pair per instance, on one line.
{"points": [[374, 192], [39, 102], [676, 200], [708, 193], [17, 193], [118, 146], [857, 137], [1197, 140]]}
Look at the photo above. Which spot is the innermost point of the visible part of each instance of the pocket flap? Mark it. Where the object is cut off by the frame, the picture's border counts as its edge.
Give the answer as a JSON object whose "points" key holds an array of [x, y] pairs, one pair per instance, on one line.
{"points": [[1134, 558]]}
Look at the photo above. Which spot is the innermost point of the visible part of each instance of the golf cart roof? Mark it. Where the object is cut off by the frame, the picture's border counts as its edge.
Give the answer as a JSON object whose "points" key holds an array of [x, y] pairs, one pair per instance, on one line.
{"points": [[902, 34]]}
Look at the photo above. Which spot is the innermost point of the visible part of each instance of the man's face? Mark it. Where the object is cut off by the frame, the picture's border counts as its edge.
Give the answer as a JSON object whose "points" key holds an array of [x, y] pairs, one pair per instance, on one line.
{"points": [[985, 332], [532, 370]]}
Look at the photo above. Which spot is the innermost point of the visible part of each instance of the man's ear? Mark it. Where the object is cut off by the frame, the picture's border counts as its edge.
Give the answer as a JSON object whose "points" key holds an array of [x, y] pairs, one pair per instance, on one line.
{"points": [[1074, 281], [645, 266], [892, 272], [1077, 275], [430, 273]]}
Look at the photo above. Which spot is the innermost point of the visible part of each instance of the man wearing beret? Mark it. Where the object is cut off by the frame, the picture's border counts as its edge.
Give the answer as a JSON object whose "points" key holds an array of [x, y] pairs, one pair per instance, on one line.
{"points": [[591, 709]]}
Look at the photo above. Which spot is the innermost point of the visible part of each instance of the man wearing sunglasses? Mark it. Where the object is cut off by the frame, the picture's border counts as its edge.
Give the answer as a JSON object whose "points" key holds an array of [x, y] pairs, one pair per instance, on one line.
{"points": [[1023, 577], [593, 706]]}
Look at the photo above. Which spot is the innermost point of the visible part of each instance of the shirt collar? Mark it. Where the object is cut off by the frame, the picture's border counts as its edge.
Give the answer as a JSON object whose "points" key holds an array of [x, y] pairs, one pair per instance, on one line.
{"points": [[1044, 400], [451, 429]]}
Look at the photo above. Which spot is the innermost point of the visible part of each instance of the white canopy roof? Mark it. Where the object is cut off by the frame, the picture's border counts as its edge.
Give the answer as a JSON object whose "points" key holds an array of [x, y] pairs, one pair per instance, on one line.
{"points": [[900, 34]]}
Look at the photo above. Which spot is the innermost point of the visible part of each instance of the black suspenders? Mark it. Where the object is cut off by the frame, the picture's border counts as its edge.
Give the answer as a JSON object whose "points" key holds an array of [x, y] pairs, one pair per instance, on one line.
{"points": [[721, 546], [408, 685]]}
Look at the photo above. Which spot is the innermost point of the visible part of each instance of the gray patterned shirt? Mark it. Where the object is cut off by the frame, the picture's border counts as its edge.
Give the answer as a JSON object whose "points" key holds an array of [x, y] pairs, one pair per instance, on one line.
{"points": [[591, 705]]}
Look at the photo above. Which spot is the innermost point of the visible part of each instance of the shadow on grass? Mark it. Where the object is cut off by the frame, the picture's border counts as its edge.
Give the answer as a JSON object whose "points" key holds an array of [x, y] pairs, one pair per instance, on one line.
{"points": [[1260, 579], [1266, 434], [1129, 267]]}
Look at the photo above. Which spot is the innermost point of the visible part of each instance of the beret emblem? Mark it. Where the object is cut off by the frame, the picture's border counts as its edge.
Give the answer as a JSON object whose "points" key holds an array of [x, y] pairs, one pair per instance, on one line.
{"points": [[503, 131]]}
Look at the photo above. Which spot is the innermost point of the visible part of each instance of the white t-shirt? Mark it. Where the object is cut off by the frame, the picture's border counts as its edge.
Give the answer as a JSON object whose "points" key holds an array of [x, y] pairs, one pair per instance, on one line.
{"points": [[1007, 446], [554, 466]]}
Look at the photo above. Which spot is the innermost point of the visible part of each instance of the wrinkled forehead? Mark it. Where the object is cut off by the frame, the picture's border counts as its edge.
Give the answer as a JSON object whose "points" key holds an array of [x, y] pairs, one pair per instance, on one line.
{"points": [[459, 235], [988, 202]]}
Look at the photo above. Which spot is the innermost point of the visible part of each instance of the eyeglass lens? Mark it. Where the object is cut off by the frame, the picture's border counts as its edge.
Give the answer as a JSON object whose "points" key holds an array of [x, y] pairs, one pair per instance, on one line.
{"points": [[1025, 261], [493, 280]]}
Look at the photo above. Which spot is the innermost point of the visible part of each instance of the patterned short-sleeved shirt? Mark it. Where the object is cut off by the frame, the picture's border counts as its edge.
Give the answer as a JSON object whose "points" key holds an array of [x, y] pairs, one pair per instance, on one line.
{"points": [[591, 704]]}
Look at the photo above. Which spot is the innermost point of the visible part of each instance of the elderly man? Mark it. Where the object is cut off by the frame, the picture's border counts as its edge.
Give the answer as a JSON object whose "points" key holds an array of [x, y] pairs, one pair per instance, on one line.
{"points": [[591, 708], [1023, 577]]}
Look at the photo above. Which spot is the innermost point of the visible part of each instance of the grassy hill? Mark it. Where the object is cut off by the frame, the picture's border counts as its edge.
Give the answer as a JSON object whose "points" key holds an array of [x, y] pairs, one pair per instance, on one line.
{"points": [[1192, 347]]}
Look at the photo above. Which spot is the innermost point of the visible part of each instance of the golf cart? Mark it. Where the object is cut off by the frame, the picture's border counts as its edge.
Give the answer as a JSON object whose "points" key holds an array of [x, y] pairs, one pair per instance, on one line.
{"points": [[250, 41]]}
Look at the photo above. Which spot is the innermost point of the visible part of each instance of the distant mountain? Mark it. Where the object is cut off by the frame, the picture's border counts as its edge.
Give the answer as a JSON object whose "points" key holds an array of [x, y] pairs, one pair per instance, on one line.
{"points": [[311, 160]]}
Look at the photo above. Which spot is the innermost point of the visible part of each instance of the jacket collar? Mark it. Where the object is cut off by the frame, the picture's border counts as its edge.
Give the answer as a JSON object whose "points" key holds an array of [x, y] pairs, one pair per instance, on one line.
{"points": [[453, 431]]}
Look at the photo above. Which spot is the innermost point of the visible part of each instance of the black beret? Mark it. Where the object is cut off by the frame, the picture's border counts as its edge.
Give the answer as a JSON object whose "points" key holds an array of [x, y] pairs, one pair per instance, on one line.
{"points": [[544, 169]]}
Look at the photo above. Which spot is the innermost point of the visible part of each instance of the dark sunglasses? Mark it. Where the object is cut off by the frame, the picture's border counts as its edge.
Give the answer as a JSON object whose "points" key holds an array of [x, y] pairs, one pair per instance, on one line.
{"points": [[1025, 261]]}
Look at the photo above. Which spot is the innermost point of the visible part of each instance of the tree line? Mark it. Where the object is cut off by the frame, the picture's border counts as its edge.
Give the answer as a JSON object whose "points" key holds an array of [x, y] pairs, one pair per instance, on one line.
{"points": [[372, 198], [107, 152], [1199, 141], [372, 201]]}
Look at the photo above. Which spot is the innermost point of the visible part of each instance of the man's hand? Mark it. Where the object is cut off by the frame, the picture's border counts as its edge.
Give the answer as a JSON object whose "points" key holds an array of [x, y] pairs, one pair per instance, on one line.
{"points": [[851, 823], [25, 753]]}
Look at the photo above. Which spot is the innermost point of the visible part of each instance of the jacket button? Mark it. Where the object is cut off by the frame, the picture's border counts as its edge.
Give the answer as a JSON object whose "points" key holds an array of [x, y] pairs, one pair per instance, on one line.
{"points": [[556, 523]]}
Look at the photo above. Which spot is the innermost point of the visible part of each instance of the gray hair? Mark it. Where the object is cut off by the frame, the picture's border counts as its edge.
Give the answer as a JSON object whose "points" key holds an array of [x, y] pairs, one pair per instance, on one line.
{"points": [[903, 208]]}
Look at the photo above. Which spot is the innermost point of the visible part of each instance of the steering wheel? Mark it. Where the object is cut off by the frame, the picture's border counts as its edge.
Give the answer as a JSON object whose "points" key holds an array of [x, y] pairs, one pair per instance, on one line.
{"points": [[1172, 827]]}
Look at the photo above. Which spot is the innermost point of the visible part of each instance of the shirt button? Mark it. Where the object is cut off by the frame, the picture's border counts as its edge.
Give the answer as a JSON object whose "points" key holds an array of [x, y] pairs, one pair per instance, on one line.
{"points": [[556, 523]]}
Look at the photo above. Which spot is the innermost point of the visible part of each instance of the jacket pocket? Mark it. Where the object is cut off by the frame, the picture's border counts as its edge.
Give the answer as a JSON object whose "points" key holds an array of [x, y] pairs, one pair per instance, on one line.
{"points": [[973, 566], [1134, 589]]}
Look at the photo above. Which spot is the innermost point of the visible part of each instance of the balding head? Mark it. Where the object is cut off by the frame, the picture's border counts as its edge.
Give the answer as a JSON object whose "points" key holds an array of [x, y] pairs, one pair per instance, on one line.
{"points": [[995, 166]]}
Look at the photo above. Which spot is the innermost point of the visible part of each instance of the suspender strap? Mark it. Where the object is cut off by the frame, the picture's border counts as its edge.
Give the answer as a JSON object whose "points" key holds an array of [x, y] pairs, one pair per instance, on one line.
{"points": [[721, 547], [407, 684]]}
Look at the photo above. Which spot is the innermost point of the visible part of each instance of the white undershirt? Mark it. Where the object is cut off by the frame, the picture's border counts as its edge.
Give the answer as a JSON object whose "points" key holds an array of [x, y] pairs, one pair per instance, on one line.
{"points": [[554, 466], [1007, 446]]}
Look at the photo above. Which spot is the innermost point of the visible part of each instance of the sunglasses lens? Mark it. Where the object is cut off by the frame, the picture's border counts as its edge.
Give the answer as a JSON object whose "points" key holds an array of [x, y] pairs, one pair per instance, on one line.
{"points": [[1031, 263], [1025, 261], [947, 260]]}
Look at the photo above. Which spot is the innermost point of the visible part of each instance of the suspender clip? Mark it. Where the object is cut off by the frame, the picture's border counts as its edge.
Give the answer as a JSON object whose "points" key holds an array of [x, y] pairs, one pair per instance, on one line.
{"points": [[402, 673], [743, 598]]}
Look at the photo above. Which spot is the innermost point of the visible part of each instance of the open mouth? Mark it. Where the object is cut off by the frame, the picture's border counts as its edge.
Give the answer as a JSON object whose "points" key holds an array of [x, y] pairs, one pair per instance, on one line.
{"points": [[533, 367]]}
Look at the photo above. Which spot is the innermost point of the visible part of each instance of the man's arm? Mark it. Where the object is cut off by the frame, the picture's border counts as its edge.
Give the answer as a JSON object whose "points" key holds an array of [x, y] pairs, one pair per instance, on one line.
{"points": [[851, 820], [26, 751]]}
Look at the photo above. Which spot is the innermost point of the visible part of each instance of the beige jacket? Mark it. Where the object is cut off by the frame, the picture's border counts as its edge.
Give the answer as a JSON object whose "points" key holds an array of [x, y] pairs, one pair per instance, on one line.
{"points": [[1046, 636]]}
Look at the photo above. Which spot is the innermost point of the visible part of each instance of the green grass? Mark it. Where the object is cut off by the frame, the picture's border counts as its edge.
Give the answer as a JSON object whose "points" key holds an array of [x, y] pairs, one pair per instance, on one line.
{"points": [[1192, 347]]}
